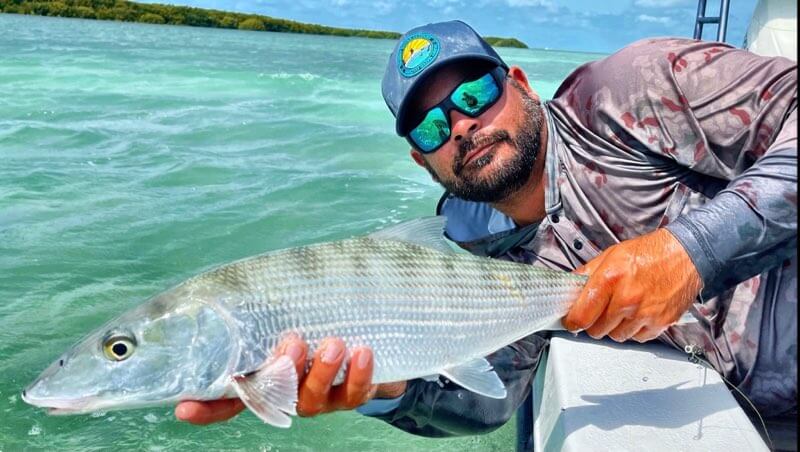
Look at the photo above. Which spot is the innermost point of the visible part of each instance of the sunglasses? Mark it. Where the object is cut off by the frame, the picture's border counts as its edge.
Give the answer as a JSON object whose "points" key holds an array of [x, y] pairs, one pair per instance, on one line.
{"points": [[471, 98]]}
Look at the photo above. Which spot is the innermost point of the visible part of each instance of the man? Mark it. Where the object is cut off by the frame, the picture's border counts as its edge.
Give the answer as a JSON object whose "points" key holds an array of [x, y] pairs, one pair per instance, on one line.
{"points": [[666, 172]]}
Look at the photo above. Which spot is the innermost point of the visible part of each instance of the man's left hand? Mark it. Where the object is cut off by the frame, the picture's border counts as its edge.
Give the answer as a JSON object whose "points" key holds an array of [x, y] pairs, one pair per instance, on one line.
{"points": [[636, 289]]}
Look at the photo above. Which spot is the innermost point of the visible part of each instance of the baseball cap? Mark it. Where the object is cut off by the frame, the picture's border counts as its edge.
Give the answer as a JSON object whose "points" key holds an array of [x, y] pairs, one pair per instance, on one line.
{"points": [[423, 50]]}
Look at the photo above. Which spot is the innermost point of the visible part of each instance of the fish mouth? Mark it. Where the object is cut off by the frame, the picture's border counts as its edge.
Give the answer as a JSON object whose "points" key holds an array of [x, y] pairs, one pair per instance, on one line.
{"points": [[56, 406], [59, 407], [62, 411]]}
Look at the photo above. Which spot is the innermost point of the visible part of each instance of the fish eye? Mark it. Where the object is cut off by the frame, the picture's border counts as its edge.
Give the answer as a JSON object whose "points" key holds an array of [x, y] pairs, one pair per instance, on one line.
{"points": [[119, 348]]}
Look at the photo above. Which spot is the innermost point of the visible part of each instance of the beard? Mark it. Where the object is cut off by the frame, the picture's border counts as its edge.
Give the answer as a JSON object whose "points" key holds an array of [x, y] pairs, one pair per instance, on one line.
{"points": [[499, 184]]}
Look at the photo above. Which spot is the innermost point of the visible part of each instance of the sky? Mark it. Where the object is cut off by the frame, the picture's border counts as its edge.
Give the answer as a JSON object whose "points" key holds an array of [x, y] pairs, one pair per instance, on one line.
{"points": [[577, 25]]}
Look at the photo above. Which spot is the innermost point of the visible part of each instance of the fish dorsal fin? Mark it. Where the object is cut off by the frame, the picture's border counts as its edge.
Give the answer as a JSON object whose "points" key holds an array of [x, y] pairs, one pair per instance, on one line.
{"points": [[270, 392], [426, 231], [477, 376]]}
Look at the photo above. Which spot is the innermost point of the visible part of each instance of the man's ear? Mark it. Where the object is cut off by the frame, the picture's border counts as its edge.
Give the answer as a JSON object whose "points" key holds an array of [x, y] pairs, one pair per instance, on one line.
{"points": [[418, 158], [517, 74]]}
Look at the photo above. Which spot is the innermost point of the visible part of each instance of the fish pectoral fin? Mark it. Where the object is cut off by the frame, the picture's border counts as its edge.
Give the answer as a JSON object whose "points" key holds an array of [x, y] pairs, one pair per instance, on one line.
{"points": [[270, 391], [427, 232], [477, 376]]}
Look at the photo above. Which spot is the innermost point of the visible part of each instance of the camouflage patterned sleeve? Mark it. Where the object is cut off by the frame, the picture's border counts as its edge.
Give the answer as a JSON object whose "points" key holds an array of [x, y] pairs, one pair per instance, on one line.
{"points": [[431, 409], [724, 115], [751, 225]]}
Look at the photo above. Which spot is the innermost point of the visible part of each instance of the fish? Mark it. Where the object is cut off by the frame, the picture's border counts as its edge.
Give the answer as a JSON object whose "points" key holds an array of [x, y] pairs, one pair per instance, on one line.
{"points": [[424, 309]]}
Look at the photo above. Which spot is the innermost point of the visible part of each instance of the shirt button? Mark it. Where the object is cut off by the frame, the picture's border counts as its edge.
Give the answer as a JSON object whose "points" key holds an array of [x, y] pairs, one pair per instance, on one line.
{"points": [[577, 244], [554, 218]]}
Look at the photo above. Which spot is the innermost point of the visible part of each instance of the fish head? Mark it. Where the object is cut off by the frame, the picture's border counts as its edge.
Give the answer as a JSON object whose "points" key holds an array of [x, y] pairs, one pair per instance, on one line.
{"points": [[164, 351]]}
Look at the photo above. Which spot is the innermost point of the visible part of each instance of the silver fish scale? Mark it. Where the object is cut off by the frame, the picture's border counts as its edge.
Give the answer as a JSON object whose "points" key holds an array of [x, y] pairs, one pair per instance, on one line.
{"points": [[419, 310]]}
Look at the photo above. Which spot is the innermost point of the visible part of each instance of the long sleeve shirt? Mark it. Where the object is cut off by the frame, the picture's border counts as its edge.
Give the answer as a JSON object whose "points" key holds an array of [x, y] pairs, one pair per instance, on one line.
{"points": [[700, 138], [697, 137]]}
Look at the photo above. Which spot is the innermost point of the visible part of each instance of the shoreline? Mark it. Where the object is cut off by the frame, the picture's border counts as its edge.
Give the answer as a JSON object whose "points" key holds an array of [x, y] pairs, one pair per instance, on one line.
{"points": [[164, 14]]}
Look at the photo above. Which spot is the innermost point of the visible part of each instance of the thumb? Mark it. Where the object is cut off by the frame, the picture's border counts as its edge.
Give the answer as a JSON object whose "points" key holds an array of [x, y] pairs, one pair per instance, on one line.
{"points": [[592, 299], [588, 268], [202, 413], [582, 270]]}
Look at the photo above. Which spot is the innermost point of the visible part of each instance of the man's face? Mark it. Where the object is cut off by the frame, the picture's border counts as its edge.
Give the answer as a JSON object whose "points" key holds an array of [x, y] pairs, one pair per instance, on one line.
{"points": [[489, 157]]}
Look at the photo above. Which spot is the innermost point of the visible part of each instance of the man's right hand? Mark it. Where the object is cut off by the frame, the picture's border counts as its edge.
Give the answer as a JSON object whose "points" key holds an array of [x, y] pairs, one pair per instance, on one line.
{"points": [[316, 393]]}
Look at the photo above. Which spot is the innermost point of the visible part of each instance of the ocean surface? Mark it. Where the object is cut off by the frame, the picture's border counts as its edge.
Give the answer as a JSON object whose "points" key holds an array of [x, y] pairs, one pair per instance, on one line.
{"points": [[133, 156]]}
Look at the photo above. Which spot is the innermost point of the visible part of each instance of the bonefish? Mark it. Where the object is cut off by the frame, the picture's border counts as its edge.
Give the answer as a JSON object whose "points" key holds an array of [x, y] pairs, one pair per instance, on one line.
{"points": [[422, 308]]}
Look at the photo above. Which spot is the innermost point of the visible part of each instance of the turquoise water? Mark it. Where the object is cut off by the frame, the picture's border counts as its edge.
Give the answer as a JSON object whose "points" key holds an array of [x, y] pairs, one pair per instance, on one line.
{"points": [[133, 156]]}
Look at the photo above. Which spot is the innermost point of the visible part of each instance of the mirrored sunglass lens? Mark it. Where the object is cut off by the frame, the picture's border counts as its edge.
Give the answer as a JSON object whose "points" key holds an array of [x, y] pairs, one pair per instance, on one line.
{"points": [[432, 131], [472, 97]]}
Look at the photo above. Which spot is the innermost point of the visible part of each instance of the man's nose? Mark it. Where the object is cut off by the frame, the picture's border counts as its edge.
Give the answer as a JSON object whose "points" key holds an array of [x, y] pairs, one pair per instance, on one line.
{"points": [[463, 126]]}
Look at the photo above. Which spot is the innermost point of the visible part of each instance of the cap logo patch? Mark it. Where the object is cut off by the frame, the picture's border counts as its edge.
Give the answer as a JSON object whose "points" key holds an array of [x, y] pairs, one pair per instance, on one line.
{"points": [[416, 52]]}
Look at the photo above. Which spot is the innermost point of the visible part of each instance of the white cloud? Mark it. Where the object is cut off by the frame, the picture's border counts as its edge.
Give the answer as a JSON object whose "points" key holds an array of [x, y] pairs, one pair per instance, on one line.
{"points": [[528, 3], [384, 7], [541, 6], [653, 19], [662, 3]]}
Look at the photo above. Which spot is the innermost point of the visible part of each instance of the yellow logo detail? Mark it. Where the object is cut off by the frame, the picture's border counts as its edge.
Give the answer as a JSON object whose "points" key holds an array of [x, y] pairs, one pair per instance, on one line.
{"points": [[414, 47]]}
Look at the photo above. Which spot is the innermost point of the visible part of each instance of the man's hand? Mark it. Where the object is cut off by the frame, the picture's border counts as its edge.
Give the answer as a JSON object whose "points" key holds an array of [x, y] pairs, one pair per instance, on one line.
{"points": [[636, 289], [316, 394]]}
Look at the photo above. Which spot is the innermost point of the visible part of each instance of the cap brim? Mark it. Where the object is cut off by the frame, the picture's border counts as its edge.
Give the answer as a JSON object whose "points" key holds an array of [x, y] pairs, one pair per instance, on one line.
{"points": [[402, 126]]}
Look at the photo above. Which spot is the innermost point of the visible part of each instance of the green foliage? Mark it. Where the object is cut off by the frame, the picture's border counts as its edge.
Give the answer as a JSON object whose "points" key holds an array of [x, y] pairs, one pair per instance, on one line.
{"points": [[252, 23], [177, 19], [123, 10], [103, 14], [150, 18], [505, 42], [123, 14], [81, 12], [229, 22], [54, 8]]}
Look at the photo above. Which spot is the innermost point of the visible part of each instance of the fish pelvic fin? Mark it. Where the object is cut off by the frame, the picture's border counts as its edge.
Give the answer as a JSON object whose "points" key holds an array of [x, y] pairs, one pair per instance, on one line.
{"points": [[477, 376], [270, 391], [427, 232]]}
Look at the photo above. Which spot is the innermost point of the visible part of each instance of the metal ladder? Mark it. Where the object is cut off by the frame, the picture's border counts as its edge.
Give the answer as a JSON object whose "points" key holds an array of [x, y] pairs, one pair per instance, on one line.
{"points": [[702, 19]]}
